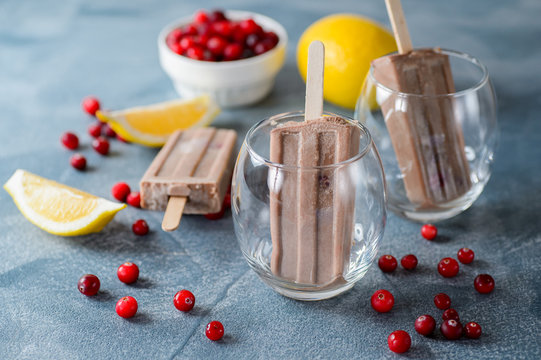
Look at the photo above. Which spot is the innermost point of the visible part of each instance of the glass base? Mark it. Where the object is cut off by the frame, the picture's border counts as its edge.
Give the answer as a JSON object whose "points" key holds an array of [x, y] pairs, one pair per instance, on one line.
{"points": [[440, 213], [312, 295]]}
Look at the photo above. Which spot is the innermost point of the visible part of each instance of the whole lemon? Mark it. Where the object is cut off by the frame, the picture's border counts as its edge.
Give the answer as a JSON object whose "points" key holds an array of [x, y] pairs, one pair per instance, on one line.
{"points": [[351, 42]]}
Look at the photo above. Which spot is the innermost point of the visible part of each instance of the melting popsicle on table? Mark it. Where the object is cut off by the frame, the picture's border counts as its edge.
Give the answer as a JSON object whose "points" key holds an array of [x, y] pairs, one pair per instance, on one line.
{"points": [[190, 174]]}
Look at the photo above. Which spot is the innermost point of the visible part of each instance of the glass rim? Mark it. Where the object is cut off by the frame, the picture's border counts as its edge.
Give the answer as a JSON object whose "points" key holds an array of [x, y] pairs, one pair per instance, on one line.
{"points": [[254, 154], [457, 54]]}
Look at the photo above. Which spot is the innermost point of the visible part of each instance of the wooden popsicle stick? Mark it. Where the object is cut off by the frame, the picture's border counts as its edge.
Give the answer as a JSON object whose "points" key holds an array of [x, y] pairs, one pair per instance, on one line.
{"points": [[400, 28], [173, 213], [313, 106]]}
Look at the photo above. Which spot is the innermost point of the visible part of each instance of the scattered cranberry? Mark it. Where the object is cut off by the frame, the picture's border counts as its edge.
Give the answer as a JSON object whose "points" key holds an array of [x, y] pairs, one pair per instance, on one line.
{"points": [[109, 132], [78, 161], [88, 285], [484, 283], [184, 300], [382, 301], [215, 330], [450, 314], [101, 145], [465, 255], [95, 130], [216, 216], [425, 325], [70, 140], [91, 105], [140, 227], [387, 263], [448, 267], [126, 307], [472, 330], [399, 341], [451, 329], [429, 231], [442, 301], [120, 191], [128, 273], [409, 262], [134, 199]]}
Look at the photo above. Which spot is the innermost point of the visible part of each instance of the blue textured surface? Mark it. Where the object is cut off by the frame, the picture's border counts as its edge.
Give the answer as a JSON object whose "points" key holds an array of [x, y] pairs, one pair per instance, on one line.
{"points": [[53, 53]]}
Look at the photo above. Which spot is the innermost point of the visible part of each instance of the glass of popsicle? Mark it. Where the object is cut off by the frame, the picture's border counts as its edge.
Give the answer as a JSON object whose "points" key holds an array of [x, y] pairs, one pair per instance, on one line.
{"points": [[432, 113]]}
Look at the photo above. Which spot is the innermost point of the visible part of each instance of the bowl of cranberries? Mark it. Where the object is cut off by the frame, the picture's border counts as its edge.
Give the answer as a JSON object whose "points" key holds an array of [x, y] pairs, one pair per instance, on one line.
{"points": [[232, 55]]}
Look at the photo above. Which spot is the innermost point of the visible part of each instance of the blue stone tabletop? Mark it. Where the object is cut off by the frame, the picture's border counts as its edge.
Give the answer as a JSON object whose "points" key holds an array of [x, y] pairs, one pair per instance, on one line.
{"points": [[53, 53]]}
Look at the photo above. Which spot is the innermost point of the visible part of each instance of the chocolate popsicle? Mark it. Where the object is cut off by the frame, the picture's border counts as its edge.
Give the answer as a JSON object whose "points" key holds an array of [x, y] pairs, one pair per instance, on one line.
{"points": [[312, 209], [190, 174], [427, 141]]}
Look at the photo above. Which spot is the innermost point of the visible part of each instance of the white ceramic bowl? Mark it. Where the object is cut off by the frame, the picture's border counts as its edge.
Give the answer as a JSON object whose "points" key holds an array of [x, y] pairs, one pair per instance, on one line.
{"points": [[231, 83]]}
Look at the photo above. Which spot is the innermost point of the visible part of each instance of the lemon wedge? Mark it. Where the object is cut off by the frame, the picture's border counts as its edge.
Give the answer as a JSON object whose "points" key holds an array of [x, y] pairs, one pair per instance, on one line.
{"points": [[57, 208], [151, 125]]}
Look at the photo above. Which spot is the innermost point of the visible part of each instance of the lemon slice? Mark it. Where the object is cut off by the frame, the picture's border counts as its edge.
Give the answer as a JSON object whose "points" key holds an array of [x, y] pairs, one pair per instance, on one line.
{"points": [[151, 125], [57, 208]]}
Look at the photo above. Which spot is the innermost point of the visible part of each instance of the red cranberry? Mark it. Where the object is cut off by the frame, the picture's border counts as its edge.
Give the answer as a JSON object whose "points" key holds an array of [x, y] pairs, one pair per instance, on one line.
{"points": [[187, 42], [238, 35], [95, 130], [263, 46], [409, 262], [174, 37], [429, 231], [216, 45], [222, 28], [272, 38], [196, 53], [176, 48], [189, 29], [217, 15], [425, 325], [484, 283], [232, 51], [128, 273], [442, 301], [201, 17], [472, 330], [91, 105], [120, 191], [101, 145], [252, 40], [248, 26], [387, 263], [78, 161], [126, 307], [216, 216], [109, 132], [451, 329], [134, 199], [450, 314], [184, 300], [215, 330], [70, 140], [448, 267], [382, 301], [399, 341], [227, 201], [465, 255], [88, 285], [140, 227]]}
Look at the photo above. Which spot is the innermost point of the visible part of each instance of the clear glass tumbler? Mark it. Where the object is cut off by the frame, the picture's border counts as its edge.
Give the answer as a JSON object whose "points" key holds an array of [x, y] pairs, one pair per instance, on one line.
{"points": [[437, 151], [349, 227]]}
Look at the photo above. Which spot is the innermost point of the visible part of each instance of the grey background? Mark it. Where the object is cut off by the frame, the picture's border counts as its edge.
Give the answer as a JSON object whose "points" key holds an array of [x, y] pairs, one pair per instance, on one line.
{"points": [[53, 53]]}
